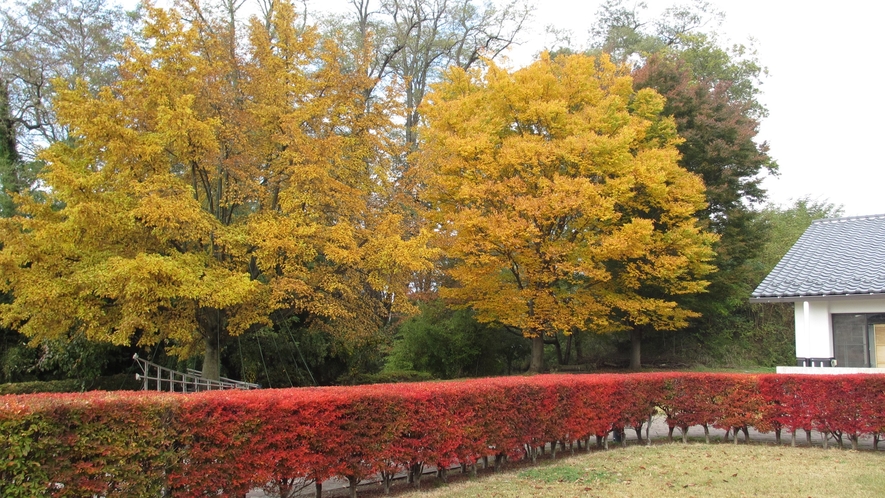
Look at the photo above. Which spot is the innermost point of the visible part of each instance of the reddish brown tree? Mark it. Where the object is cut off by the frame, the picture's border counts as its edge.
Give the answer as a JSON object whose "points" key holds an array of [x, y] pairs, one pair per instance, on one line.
{"points": [[719, 122]]}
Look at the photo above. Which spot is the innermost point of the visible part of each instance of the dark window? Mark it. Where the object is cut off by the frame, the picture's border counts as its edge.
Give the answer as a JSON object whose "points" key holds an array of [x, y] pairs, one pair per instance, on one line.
{"points": [[850, 340]]}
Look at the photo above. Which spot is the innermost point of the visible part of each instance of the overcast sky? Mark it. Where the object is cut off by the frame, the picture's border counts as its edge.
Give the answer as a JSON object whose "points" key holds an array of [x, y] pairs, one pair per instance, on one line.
{"points": [[825, 124]]}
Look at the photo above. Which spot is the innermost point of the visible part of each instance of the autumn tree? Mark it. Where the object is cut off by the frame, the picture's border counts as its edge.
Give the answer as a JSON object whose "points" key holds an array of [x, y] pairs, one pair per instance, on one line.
{"points": [[712, 94], [413, 41], [622, 31], [408, 44], [719, 144], [42, 43], [45, 40], [215, 184], [42, 40], [557, 192]]}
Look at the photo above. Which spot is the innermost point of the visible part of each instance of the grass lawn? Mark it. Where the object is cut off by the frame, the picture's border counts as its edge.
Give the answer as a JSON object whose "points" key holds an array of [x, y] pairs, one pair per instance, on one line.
{"points": [[682, 470]]}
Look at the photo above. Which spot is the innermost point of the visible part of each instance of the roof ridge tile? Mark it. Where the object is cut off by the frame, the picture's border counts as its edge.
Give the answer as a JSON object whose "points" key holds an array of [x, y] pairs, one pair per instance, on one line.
{"points": [[848, 218]]}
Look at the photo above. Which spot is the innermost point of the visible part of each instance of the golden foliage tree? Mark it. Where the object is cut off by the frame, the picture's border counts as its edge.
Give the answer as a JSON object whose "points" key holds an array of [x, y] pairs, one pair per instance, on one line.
{"points": [[216, 183], [558, 194]]}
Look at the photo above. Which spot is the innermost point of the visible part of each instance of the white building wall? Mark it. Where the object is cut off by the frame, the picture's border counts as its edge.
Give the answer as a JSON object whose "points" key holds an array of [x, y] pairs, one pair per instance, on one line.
{"points": [[814, 328], [802, 338], [828, 371], [860, 305], [814, 337]]}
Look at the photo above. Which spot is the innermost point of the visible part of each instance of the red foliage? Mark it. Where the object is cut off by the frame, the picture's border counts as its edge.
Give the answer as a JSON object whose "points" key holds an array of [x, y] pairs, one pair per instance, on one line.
{"points": [[228, 442]]}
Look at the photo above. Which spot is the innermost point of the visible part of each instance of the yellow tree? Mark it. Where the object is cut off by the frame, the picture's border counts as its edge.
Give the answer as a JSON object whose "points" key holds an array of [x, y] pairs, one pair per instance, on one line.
{"points": [[557, 193], [215, 184]]}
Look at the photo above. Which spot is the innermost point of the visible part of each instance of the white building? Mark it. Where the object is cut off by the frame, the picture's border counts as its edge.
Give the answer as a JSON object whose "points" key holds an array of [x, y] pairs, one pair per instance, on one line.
{"points": [[835, 276]]}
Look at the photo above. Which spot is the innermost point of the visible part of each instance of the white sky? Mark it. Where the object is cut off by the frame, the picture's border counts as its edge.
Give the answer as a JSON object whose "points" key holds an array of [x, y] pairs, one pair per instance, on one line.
{"points": [[825, 125]]}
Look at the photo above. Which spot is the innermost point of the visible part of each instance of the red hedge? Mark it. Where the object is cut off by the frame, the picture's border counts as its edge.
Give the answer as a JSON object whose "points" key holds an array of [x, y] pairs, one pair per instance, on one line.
{"points": [[142, 443]]}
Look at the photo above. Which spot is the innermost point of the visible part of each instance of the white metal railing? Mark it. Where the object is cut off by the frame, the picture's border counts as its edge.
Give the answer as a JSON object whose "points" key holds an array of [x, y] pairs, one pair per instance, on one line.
{"points": [[154, 377]]}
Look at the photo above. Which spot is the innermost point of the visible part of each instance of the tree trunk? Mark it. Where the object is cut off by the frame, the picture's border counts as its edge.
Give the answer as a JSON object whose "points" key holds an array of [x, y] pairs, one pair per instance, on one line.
{"points": [[635, 346], [386, 477], [558, 346], [417, 471], [212, 356], [647, 429], [568, 348], [537, 364], [531, 453], [351, 483], [579, 351]]}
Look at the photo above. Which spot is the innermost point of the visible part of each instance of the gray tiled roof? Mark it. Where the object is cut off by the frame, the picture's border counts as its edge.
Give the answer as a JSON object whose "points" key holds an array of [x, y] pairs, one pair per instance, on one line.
{"points": [[833, 257]]}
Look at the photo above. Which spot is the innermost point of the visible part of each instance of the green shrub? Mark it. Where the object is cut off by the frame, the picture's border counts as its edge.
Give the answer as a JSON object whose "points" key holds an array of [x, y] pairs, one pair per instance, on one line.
{"points": [[386, 377], [119, 382]]}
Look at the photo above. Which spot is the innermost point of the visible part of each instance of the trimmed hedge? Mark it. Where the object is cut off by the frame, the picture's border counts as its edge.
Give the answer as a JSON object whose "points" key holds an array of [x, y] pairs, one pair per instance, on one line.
{"points": [[118, 382], [153, 444]]}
